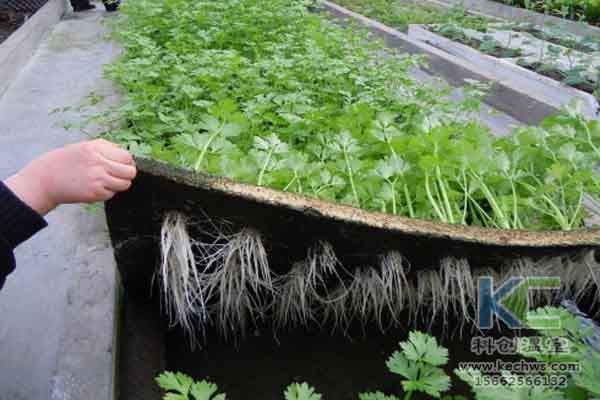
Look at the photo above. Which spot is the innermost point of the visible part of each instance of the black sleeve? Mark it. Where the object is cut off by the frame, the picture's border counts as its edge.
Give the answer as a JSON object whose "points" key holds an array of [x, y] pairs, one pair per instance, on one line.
{"points": [[18, 222]]}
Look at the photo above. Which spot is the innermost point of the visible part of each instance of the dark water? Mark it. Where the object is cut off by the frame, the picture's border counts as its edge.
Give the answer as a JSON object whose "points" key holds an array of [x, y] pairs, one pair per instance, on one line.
{"points": [[260, 367]]}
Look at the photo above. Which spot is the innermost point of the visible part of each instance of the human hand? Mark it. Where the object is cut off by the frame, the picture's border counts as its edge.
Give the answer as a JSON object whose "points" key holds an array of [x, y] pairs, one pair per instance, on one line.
{"points": [[85, 172]]}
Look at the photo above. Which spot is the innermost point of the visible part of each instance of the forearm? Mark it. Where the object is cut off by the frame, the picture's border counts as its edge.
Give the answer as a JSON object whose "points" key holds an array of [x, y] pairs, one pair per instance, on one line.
{"points": [[85, 172], [31, 191], [18, 222]]}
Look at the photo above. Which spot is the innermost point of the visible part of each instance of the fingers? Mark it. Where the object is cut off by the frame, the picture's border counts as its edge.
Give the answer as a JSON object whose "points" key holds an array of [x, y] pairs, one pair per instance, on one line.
{"points": [[102, 194], [114, 153], [120, 170], [114, 185], [118, 163]]}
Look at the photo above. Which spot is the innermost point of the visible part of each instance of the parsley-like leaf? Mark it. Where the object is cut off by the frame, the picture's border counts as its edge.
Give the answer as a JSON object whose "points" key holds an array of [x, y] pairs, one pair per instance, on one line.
{"points": [[301, 391], [422, 347]]}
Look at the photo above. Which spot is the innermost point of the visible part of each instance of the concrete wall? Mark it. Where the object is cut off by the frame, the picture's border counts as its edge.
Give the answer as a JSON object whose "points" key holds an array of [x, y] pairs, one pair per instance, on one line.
{"points": [[16, 51]]}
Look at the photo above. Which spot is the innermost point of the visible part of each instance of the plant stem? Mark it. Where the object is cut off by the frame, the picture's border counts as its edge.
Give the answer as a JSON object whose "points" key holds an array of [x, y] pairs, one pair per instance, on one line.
{"points": [[577, 210], [291, 182], [408, 395], [482, 212], [411, 212], [466, 199], [393, 186], [502, 220], [389, 143], [320, 189], [212, 137], [265, 165], [557, 214], [516, 220], [589, 138], [432, 200], [450, 214], [351, 178]]}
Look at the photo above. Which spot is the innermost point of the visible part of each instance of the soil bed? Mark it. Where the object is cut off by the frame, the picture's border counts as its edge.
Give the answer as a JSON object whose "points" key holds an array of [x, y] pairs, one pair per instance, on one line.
{"points": [[497, 51], [565, 42], [588, 86]]}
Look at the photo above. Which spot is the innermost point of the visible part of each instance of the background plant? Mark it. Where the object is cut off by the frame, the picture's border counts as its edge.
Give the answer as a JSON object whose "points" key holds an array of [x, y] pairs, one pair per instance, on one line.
{"points": [[402, 13], [580, 337]]}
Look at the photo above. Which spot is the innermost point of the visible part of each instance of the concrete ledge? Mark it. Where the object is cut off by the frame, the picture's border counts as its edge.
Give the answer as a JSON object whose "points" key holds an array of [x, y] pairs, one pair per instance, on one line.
{"points": [[16, 51], [544, 89], [505, 95], [510, 13], [57, 336], [88, 348]]}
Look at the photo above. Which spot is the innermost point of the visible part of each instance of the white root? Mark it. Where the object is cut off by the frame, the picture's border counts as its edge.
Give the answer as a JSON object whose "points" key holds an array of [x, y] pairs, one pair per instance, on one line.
{"points": [[181, 282], [394, 268], [305, 289], [294, 305], [230, 271], [335, 312], [579, 277], [373, 295], [224, 278], [458, 294], [427, 286], [240, 278]]}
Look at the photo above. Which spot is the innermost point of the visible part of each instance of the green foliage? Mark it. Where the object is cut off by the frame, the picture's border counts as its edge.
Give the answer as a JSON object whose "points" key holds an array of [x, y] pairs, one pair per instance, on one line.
{"points": [[578, 10], [419, 363], [487, 45], [400, 13], [572, 332], [301, 391], [270, 94], [589, 377], [179, 386]]}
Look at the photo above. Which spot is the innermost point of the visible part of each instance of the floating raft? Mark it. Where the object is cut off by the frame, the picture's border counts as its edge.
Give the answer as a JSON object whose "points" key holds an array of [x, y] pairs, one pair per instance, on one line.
{"points": [[237, 255], [290, 222]]}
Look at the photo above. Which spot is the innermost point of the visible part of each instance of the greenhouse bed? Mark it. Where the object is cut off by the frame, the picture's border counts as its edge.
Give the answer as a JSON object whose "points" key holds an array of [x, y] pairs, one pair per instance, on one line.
{"points": [[509, 13], [505, 70], [506, 95]]}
